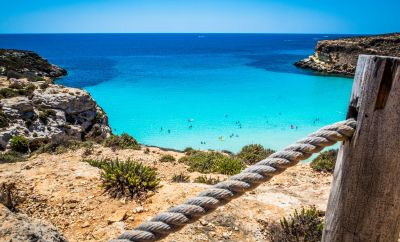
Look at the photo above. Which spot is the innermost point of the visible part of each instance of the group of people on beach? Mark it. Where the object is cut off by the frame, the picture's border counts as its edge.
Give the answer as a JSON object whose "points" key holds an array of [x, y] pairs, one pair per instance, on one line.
{"points": [[238, 124]]}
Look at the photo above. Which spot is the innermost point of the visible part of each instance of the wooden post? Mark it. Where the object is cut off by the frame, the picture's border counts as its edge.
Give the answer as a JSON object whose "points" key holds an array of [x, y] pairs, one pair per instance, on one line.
{"points": [[364, 203]]}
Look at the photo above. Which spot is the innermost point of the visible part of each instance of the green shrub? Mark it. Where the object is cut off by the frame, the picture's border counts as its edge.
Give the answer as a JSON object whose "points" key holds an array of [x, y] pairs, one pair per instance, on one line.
{"points": [[19, 144], [28, 90], [44, 85], [21, 91], [7, 93], [48, 147], [167, 158], [39, 78], [126, 178], [3, 119], [58, 147], [325, 161], [211, 161], [254, 153], [181, 177], [11, 157], [44, 114], [207, 180], [304, 226], [123, 141], [188, 150], [37, 143]]}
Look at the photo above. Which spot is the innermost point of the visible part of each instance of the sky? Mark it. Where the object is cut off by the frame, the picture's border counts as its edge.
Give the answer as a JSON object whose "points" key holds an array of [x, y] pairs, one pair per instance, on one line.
{"points": [[199, 16]]}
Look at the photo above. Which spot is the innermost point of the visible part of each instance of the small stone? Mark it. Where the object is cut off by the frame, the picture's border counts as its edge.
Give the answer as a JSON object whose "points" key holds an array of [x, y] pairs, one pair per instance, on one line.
{"points": [[139, 209], [226, 235], [85, 224], [236, 228], [117, 216], [203, 222]]}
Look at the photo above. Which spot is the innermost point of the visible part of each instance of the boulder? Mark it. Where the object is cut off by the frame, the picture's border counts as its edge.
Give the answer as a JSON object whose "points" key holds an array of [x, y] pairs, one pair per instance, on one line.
{"points": [[20, 227]]}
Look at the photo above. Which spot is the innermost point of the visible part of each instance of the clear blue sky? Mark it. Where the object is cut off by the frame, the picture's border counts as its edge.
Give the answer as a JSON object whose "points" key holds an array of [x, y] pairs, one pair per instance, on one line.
{"points": [[186, 16]]}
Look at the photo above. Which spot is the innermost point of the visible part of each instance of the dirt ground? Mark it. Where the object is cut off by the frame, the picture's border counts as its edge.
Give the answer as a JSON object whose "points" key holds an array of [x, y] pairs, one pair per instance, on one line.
{"points": [[66, 192]]}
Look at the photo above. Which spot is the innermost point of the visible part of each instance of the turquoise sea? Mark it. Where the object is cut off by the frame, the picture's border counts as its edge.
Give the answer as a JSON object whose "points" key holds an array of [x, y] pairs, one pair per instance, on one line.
{"points": [[217, 91]]}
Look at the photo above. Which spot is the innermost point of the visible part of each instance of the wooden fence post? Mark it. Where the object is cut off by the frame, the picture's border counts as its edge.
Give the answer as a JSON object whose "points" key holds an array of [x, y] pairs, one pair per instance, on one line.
{"points": [[364, 203]]}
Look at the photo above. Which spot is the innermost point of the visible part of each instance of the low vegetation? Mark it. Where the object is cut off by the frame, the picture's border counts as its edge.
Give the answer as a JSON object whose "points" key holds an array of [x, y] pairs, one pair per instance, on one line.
{"points": [[325, 161], [57, 147], [167, 158], [3, 119], [188, 150], [44, 114], [123, 141], [181, 177], [8, 93], [126, 178], [88, 150], [19, 144], [20, 91], [207, 180], [212, 162], [11, 157], [304, 226], [254, 153]]}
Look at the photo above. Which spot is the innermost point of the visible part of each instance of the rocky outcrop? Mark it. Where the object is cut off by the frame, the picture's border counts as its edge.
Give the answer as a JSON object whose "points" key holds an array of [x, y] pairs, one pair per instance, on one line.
{"points": [[52, 112], [28, 64], [40, 110], [340, 56], [19, 227]]}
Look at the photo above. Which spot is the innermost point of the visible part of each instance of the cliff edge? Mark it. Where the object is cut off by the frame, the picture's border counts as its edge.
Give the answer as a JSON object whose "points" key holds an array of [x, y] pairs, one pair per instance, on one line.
{"points": [[340, 56], [31, 105]]}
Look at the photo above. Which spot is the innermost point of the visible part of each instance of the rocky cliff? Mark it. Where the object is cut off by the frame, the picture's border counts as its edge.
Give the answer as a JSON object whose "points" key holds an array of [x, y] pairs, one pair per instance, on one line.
{"points": [[34, 107], [28, 64], [340, 56]]}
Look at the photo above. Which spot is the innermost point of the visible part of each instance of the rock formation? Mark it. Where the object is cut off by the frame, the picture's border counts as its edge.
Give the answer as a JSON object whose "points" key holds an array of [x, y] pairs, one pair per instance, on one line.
{"points": [[340, 56], [40, 110], [20, 227], [20, 63]]}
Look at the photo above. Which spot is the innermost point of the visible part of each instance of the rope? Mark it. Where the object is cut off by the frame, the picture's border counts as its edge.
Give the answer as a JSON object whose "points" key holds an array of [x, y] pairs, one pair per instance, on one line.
{"points": [[176, 217]]}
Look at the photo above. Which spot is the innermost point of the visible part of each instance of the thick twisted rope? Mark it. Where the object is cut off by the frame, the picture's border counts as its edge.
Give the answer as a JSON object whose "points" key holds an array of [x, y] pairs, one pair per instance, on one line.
{"points": [[176, 217]]}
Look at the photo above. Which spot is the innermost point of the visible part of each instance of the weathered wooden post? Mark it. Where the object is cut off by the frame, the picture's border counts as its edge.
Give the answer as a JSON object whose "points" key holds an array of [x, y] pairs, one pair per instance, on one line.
{"points": [[364, 204]]}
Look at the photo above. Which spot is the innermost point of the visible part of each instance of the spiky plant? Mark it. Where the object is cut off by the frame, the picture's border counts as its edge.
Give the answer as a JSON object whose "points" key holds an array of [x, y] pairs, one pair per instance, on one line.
{"points": [[126, 178]]}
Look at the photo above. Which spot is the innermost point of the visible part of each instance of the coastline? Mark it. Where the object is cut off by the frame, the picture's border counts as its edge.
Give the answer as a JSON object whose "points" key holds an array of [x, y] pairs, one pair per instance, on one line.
{"points": [[339, 57]]}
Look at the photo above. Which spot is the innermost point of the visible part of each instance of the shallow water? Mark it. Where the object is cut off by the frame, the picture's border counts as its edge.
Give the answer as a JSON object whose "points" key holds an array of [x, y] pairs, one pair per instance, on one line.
{"points": [[202, 91]]}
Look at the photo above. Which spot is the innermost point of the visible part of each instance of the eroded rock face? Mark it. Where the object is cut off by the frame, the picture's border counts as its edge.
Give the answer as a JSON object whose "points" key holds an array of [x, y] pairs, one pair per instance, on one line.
{"points": [[340, 56], [19, 227], [53, 112], [34, 107]]}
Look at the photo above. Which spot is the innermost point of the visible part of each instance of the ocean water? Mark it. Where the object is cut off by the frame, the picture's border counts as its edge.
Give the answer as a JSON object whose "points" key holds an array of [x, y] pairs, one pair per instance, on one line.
{"points": [[206, 91]]}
